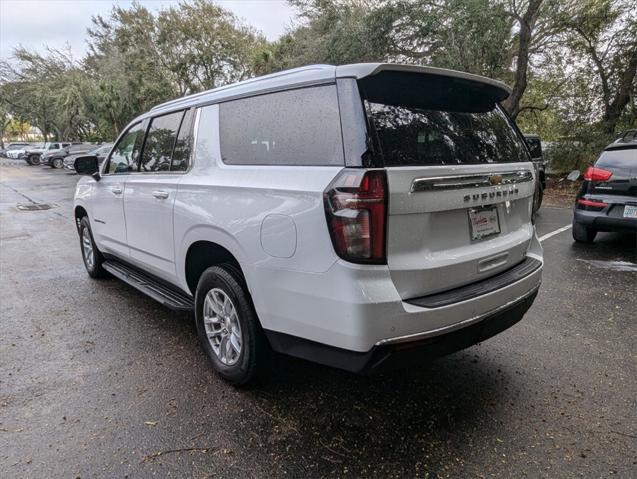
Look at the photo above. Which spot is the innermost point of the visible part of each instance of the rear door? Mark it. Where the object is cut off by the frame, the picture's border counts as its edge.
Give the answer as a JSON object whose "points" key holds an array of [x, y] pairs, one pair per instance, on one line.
{"points": [[150, 193], [460, 180]]}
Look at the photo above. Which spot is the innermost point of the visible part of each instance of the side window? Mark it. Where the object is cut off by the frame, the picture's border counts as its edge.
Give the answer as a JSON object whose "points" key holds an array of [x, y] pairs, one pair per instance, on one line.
{"points": [[296, 127], [160, 141], [181, 154], [124, 156]]}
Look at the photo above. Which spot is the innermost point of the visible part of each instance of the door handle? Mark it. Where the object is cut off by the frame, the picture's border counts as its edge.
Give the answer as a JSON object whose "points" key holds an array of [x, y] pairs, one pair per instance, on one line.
{"points": [[116, 190], [160, 194]]}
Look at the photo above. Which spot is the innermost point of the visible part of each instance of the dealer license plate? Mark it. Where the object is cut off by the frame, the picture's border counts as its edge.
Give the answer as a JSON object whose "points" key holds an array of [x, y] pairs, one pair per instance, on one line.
{"points": [[484, 222]]}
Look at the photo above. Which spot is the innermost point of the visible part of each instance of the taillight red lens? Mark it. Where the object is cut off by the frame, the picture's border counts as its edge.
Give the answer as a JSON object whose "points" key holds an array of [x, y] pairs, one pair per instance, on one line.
{"points": [[356, 212], [597, 174], [591, 203]]}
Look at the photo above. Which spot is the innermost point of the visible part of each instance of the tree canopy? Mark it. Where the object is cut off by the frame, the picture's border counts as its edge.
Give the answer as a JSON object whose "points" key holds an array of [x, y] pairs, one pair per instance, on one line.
{"points": [[571, 63]]}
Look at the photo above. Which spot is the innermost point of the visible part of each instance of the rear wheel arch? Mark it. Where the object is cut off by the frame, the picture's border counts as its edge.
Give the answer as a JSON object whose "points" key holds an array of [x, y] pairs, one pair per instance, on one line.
{"points": [[201, 255]]}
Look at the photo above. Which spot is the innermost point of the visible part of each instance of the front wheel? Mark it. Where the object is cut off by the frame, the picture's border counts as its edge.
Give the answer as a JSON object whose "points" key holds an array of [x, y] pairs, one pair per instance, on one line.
{"points": [[57, 163], [92, 257], [33, 160], [228, 327], [583, 234]]}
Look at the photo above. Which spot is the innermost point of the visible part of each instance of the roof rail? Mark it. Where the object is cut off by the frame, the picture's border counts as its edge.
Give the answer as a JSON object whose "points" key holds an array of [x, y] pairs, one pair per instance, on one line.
{"points": [[243, 82]]}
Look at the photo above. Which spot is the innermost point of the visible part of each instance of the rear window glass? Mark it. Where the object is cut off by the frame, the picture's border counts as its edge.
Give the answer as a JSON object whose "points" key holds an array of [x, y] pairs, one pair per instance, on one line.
{"points": [[619, 161], [296, 127], [427, 120]]}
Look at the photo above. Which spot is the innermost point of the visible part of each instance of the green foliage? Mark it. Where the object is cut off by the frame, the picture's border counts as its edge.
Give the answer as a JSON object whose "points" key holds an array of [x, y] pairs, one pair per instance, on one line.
{"points": [[137, 59], [46, 91], [571, 63]]}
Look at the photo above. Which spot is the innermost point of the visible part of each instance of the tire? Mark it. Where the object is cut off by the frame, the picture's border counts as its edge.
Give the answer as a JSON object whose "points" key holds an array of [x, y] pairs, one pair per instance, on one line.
{"points": [[34, 160], [537, 202], [57, 163], [539, 198], [235, 343], [583, 234], [92, 263]]}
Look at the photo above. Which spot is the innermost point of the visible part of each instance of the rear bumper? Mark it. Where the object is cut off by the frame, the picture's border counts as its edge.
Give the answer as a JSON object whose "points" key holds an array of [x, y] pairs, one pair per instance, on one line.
{"points": [[388, 356], [602, 221], [357, 307]]}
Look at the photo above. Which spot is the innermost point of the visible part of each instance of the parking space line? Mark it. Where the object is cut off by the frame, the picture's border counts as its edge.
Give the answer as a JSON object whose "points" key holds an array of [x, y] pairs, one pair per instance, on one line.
{"points": [[553, 233]]}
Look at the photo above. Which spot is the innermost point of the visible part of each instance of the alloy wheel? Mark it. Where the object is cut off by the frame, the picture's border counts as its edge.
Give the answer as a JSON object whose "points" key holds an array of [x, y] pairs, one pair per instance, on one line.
{"points": [[222, 326], [87, 249]]}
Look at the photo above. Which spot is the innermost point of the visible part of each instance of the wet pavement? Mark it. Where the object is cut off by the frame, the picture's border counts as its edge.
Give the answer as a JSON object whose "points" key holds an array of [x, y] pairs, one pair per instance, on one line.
{"points": [[97, 380]]}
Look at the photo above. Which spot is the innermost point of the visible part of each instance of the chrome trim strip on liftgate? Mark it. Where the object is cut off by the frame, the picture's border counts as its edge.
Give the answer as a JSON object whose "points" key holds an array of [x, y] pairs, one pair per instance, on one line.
{"points": [[456, 182]]}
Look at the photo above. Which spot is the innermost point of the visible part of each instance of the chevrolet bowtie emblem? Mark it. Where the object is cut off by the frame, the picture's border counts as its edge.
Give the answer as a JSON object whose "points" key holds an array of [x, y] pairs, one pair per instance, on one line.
{"points": [[495, 179]]}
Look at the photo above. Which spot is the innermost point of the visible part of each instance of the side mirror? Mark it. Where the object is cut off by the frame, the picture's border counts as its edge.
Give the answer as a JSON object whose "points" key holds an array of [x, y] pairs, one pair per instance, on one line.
{"points": [[573, 175], [88, 166]]}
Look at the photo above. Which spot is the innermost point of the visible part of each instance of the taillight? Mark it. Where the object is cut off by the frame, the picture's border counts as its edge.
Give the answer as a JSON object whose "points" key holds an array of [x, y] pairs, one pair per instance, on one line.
{"points": [[597, 174], [583, 203], [356, 212]]}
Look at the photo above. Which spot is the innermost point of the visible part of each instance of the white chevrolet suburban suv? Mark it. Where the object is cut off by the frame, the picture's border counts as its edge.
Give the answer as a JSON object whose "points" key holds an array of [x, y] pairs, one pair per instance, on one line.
{"points": [[361, 216]]}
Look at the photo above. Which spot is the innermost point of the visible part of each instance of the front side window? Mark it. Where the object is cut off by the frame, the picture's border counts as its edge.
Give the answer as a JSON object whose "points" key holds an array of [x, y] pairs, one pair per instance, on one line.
{"points": [[297, 127], [125, 154], [160, 141]]}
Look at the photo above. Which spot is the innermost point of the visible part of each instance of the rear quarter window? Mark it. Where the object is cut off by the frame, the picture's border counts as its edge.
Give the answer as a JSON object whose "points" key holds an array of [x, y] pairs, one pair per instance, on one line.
{"points": [[297, 127]]}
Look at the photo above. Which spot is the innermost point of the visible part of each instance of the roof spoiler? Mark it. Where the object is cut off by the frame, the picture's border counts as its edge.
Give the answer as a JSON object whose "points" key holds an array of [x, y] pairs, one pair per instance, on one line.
{"points": [[362, 70]]}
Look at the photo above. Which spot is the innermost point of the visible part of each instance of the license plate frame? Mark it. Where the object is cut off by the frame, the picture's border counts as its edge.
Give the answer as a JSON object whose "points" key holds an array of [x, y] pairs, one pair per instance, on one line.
{"points": [[630, 211], [484, 222]]}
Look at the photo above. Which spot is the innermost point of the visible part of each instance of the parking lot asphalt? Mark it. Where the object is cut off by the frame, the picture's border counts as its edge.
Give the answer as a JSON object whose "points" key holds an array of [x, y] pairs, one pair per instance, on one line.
{"points": [[99, 381]]}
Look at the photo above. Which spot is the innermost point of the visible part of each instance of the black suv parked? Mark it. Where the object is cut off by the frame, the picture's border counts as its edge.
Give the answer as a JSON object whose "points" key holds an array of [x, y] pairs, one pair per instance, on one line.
{"points": [[607, 200], [535, 148], [55, 158]]}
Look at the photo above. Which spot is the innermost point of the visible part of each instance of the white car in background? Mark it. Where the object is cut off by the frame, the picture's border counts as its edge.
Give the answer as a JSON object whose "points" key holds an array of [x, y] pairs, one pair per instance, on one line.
{"points": [[361, 216], [18, 153], [33, 155]]}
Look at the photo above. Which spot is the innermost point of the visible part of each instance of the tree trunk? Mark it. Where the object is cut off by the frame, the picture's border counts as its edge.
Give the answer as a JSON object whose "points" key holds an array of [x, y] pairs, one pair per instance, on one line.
{"points": [[615, 108], [527, 22]]}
